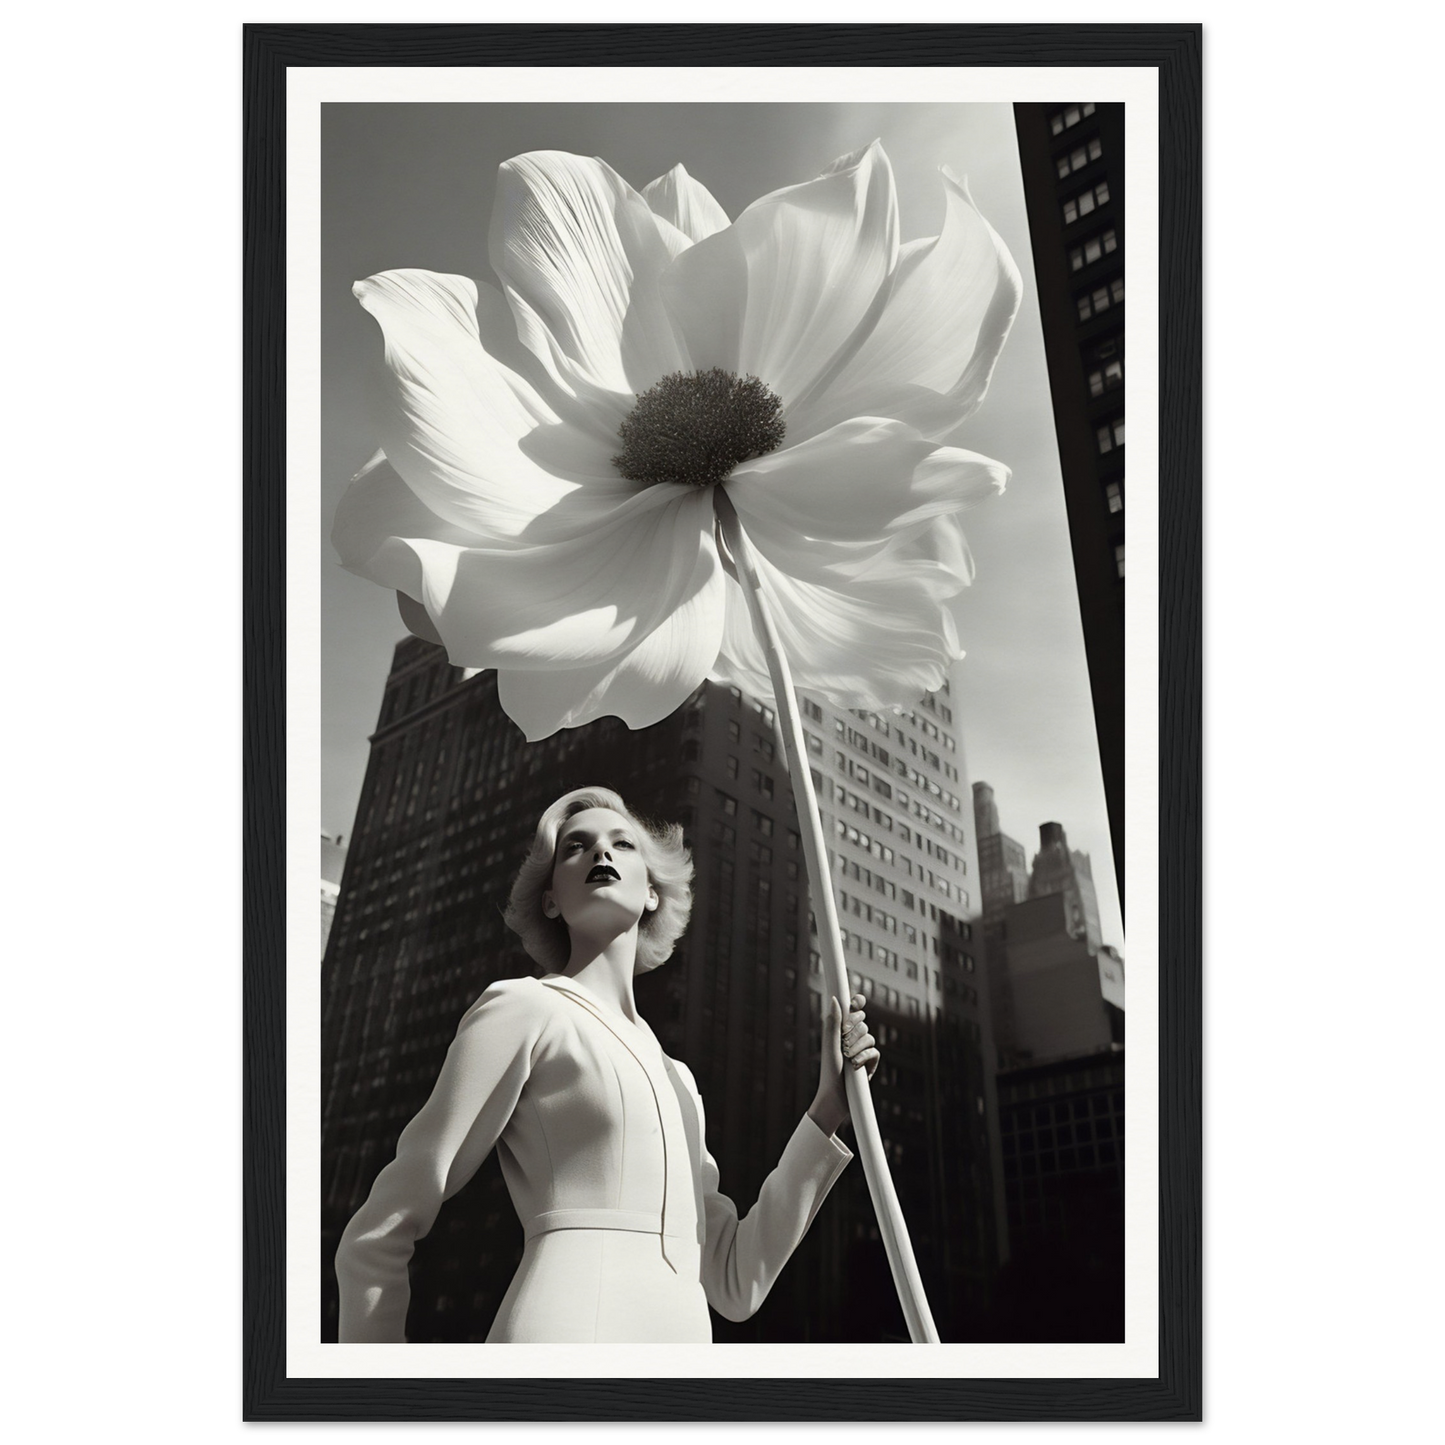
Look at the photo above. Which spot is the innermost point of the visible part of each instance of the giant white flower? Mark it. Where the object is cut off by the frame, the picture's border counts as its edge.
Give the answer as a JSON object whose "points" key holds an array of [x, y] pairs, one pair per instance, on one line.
{"points": [[543, 497]]}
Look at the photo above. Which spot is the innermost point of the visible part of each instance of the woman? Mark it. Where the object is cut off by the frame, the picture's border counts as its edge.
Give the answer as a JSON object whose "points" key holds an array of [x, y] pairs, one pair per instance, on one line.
{"points": [[600, 1134]]}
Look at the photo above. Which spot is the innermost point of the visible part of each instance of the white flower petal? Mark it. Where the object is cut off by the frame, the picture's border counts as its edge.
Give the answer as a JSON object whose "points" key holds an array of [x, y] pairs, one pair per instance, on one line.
{"points": [[586, 601], [377, 506], [931, 356], [675, 241], [859, 483], [649, 683], [511, 539], [790, 288], [579, 253], [882, 640], [462, 429], [686, 204], [413, 614]]}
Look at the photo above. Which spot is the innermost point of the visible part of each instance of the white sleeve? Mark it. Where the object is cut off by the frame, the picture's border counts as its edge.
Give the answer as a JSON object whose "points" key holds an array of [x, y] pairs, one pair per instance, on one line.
{"points": [[437, 1153], [741, 1258]]}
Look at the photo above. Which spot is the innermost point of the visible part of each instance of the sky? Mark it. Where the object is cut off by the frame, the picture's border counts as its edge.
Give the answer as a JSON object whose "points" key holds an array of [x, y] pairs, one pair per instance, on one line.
{"points": [[411, 185]]}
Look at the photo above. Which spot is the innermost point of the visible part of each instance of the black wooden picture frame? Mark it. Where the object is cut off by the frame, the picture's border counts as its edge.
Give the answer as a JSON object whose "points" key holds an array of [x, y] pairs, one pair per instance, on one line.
{"points": [[1175, 1394]]}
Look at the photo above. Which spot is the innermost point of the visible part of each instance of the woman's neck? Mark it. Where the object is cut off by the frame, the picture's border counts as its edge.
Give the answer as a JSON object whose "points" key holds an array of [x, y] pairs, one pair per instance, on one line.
{"points": [[606, 970]]}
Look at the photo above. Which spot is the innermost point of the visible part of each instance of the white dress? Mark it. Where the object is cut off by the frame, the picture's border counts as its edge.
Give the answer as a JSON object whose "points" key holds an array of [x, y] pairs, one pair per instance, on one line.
{"points": [[601, 1141]]}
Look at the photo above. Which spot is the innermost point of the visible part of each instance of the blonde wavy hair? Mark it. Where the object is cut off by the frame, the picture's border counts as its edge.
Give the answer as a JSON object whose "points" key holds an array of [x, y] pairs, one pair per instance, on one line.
{"points": [[669, 870]]}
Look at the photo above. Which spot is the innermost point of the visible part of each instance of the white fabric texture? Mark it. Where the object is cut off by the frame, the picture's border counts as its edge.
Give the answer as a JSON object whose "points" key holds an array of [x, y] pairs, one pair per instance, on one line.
{"points": [[601, 1138]]}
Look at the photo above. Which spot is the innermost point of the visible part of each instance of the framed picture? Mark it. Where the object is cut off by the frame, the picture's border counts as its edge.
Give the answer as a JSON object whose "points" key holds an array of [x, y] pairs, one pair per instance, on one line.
{"points": [[370, 146]]}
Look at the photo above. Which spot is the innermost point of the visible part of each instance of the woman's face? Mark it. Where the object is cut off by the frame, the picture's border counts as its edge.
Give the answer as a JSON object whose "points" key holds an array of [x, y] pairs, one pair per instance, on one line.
{"points": [[599, 877]]}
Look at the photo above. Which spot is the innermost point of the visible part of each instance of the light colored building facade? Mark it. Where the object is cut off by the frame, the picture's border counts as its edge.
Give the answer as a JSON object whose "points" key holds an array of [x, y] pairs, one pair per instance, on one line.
{"points": [[1064, 870], [894, 797], [1057, 984], [891, 794]]}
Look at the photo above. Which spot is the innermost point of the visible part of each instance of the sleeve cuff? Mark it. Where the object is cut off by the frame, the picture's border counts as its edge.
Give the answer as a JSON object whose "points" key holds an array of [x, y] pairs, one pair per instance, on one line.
{"points": [[822, 1144]]}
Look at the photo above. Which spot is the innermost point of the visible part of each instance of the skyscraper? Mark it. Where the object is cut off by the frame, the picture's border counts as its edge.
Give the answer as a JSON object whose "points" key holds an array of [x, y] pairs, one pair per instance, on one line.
{"points": [[1071, 157], [1003, 881], [1062, 870], [450, 799]]}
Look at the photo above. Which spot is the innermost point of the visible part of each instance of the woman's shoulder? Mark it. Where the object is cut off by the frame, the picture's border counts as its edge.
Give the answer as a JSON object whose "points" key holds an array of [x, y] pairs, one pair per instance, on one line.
{"points": [[510, 999]]}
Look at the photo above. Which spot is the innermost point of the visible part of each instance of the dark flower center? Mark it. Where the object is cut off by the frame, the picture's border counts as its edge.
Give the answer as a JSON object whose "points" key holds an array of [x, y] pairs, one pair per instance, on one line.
{"points": [[694, 427]]}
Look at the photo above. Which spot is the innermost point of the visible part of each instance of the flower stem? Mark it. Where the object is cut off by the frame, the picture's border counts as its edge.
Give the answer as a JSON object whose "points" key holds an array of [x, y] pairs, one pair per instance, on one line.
{"points": [[894, 1231]]}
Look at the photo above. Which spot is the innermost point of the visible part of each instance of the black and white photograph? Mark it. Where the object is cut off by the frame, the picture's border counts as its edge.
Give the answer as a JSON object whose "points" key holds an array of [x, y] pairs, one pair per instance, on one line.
{"points": [[721, 916]]}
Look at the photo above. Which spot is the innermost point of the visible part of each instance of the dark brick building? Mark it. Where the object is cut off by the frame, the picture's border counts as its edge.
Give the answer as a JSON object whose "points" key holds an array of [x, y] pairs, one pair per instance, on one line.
{"points": [[1072, 161]]}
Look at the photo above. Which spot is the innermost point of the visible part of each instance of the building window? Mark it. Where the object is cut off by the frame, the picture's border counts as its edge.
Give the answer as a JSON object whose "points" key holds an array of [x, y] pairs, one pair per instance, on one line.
{"points": [[1119, 558], [1092, 249], [735, 733], [762, 784], [1101, 298], [1086, 203], [1114, 496], [763, 824], [727, 804], [1066, 119], [732, 766], [812, 710], [1111, 435], [1078, 158], [1106, 378]]}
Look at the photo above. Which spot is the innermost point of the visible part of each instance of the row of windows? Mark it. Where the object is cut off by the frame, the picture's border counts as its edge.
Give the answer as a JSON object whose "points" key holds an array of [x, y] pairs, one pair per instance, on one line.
{"points": [[814, 713], [917, 808], [860, 774], [1101, 298], [1087, 252], [1078, 158], [888, 889], [881, 850], [1086, 202], [930, 787], [881, 754], [850, 868], [1022, 1135], [1068, 119], [909, 835], [1110, 435]]}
